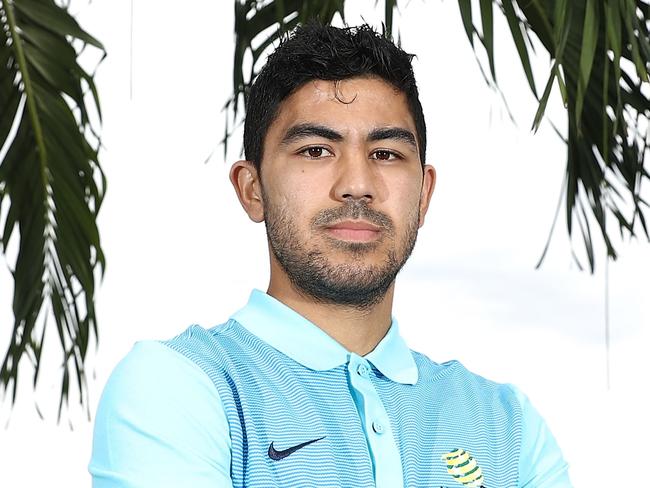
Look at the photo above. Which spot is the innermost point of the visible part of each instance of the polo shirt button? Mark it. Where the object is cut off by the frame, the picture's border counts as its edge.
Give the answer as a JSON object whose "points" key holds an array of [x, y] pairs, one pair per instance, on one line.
{"points": [[362, 370], [377, 427]]}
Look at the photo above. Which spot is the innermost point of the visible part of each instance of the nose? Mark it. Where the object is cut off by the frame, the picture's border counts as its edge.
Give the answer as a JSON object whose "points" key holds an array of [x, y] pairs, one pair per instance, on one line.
{"points": [[355, 179]]}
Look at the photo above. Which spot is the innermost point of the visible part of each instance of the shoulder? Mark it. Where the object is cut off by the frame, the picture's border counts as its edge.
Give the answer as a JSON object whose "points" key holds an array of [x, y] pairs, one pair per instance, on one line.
{"points": [[153, 366], [454, 377], [158, 416], [167, 371], [151, 388]]}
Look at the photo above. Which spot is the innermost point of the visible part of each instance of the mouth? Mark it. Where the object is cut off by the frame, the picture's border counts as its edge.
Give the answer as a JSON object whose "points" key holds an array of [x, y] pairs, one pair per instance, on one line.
{"points": [[354, 230]]}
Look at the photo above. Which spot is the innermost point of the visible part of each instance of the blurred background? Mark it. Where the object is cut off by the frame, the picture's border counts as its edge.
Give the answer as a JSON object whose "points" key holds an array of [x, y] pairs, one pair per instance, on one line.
{"points": [[180, 250]]}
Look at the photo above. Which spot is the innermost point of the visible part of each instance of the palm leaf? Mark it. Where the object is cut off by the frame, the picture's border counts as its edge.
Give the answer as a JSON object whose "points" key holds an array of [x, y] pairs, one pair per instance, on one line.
{"points": [[53, 185], [606, 109], [590, 43]]}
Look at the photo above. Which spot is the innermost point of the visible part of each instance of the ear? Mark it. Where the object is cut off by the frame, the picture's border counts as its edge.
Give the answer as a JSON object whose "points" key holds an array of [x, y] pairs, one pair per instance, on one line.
{"points": [[428, 184], [246, 181]]}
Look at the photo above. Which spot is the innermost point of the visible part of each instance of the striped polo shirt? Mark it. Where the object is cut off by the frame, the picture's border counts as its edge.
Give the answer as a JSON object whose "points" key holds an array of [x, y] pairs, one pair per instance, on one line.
{"points": [[270, 400]]}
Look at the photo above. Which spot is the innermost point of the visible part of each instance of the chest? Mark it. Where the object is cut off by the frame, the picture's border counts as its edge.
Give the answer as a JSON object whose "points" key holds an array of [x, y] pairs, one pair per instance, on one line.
{"points": [[295, 428]]}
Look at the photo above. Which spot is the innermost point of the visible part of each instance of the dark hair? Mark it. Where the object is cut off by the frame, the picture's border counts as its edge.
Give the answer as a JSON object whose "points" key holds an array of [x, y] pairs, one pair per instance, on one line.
{"points": [[316, 51]]}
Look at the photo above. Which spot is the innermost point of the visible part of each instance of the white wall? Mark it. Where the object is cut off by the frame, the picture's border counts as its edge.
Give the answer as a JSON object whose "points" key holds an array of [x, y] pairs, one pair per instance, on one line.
{"points": [[181, 251]]}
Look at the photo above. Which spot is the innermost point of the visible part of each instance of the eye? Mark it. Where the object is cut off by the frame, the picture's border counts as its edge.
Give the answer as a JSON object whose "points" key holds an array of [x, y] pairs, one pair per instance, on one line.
{"points": [[315, 152], [385, 155]]}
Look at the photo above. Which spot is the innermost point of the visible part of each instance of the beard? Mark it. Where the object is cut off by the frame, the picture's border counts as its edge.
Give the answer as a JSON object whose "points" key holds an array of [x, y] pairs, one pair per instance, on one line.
{"points": [[354, 283]]}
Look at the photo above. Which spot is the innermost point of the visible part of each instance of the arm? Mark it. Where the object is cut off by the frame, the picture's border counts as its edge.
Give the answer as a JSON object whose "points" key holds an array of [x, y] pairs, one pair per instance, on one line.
{"points": [[541, 464], [160, 423]]}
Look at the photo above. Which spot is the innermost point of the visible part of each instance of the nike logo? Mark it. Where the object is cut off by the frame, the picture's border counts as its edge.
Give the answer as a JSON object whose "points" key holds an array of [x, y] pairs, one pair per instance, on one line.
{"points": [[277, 455]]}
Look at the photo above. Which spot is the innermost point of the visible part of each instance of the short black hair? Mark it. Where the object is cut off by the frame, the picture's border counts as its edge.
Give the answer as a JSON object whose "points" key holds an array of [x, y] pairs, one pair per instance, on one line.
{"points": [[316, 51]]}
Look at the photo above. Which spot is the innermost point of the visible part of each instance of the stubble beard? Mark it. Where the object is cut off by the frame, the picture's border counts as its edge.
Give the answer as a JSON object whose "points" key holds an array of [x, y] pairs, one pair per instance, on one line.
{"points": [[352, 283]]}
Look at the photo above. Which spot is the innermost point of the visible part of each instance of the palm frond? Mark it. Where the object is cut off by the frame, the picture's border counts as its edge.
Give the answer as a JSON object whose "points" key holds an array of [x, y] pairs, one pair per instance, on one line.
{"points": [[600, 52], [53, 185]]}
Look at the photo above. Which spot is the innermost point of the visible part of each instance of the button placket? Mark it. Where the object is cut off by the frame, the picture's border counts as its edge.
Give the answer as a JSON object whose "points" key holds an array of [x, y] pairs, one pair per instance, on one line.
{"points": [[374, 418]]}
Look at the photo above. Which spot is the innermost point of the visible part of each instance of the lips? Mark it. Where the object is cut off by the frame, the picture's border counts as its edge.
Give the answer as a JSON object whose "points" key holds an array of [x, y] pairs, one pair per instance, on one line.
{"points": [[354, 230]]}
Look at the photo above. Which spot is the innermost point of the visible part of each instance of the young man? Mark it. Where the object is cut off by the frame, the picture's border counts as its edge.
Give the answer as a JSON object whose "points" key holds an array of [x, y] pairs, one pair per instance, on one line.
{"points": [[310, 384]]}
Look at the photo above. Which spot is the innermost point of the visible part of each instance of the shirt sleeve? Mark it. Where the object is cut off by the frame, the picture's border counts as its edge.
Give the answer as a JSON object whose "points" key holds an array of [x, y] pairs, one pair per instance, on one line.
{"points": [[541, 464], [160, 423]]}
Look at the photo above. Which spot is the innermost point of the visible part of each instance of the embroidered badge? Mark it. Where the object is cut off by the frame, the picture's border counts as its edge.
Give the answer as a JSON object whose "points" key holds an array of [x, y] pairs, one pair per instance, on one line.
{"points": [[464, 468]]}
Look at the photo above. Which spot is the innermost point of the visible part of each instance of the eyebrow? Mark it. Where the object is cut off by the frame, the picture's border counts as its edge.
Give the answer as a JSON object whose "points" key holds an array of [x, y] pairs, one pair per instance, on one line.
{"points": [[301, 131], [395, 133]]}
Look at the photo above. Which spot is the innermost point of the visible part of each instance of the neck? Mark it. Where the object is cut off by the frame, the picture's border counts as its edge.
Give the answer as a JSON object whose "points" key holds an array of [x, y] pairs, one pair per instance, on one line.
{"points": [[358, 330]]}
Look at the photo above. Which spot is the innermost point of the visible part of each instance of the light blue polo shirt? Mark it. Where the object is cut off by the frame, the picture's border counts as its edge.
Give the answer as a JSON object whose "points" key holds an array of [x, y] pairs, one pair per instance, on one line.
{"points": [[270, 400]]}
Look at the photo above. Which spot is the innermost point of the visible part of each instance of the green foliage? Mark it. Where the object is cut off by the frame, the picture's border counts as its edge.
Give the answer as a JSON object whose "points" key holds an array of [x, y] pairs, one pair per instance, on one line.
{"points": [[600, 52], [53, 185]]}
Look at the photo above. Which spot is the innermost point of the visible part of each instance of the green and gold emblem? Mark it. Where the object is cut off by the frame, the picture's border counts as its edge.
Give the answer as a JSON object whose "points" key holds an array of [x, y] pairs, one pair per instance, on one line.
{"points": [[464, 468]]}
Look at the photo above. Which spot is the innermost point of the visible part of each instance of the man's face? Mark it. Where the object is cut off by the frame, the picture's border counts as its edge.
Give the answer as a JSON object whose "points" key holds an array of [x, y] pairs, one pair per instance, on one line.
{"points": [[343, 189]]}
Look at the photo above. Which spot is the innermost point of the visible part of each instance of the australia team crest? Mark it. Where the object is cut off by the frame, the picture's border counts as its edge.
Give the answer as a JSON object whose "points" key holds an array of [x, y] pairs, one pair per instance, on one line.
{"points": [[464, 468]]}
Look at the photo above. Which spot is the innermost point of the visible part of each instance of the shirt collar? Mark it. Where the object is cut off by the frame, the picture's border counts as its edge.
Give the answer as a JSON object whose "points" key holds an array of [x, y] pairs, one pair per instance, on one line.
{"points": [[293, 335]]}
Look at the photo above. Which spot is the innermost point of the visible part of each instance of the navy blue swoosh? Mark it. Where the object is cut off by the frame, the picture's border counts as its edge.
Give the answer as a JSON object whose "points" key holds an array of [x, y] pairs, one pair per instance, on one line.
{"points": [[277, 455]]}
